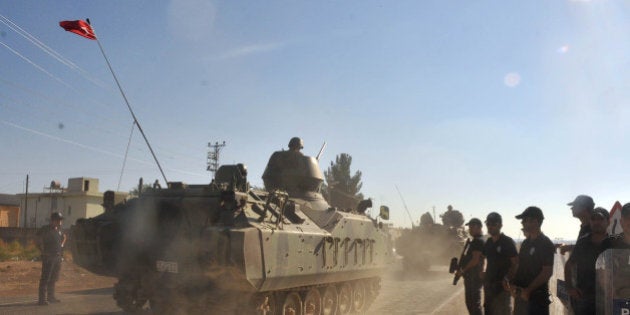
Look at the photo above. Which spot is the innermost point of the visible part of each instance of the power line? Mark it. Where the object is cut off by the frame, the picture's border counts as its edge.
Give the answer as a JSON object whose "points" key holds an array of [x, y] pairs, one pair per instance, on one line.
{"points": [[213, 156]]}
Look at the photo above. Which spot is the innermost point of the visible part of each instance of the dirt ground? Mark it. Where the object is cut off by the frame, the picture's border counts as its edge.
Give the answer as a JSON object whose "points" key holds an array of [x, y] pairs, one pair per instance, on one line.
{"points": [[19, 278]]}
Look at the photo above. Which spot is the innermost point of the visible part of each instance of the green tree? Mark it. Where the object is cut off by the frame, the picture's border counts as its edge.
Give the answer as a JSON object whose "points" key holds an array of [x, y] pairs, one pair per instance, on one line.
{"points": [[134, 191], [341, 189]]}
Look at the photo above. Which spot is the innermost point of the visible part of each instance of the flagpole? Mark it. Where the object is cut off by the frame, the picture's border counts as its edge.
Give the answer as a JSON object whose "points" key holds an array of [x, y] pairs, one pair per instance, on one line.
{"points": [[135, 120]]}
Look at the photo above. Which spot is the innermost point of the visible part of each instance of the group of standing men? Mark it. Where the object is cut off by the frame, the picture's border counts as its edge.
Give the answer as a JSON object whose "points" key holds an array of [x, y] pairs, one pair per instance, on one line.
{"points": [[524, 275]]}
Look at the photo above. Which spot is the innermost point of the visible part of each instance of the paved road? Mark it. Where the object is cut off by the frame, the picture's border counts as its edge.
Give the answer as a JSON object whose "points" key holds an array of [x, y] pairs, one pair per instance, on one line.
{"points": [[430, 293]]}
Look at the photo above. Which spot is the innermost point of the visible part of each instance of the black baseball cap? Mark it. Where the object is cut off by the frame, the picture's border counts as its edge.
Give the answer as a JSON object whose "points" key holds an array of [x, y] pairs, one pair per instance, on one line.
{"points": [[531, 212], [494, 217], [582, 201], [625, 210], [474, 221], [601, 212], [56, 216]]}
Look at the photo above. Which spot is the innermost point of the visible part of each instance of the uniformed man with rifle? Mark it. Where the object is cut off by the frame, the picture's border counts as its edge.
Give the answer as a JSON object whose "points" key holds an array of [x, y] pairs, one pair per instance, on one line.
{"points": [[471, 266]]}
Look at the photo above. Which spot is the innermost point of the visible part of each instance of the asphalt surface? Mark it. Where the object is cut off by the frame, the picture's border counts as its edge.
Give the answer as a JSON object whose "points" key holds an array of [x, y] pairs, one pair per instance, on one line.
{"points": [[427, 293]]}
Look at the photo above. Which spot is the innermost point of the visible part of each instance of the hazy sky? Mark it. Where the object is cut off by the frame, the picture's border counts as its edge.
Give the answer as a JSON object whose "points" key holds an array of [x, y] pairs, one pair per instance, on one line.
{"points": [[485, 105]]}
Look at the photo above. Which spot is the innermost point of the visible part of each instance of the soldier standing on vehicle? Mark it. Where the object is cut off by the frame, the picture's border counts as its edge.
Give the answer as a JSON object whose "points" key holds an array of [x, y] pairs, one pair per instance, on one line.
{"points": [[50, 241], [535, 266], [582, 260], [472, 265], [502, 261], [581, 208]]}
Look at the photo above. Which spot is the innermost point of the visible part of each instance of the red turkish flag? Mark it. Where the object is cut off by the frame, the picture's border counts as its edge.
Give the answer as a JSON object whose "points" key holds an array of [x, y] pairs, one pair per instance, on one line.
{"points": [[79, 27]]}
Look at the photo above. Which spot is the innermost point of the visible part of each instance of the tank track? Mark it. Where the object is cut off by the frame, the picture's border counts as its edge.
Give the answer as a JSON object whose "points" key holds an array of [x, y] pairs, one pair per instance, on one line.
{"points": [[340, 298]]}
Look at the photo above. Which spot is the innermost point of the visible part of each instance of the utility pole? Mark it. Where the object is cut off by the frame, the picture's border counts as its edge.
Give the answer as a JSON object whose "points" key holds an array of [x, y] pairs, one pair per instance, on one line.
{"points": [[213, 156], [26, 204]]}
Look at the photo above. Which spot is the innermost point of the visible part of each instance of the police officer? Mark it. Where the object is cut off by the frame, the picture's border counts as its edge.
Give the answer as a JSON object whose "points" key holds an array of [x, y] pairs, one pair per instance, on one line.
{"points": [[502, 261], [581, 208], [472, 265], [50, 240], [582, 263], [530, 287]]}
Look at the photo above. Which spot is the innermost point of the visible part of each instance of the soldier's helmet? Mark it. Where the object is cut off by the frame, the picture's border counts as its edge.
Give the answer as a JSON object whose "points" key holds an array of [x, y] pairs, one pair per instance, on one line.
{"points": [[56, 216], [296, 142]]}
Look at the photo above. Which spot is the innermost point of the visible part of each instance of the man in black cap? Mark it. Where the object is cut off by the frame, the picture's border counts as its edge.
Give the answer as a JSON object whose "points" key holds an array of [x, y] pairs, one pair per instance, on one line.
{"points": [[472, 267], [502, 261], [581, 208], [582, 263], [535, 266], [50, 240]]}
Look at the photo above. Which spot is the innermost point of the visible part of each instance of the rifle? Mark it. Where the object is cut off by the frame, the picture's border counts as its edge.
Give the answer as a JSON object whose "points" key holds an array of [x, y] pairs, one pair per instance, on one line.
{"points": [[456, 265]]}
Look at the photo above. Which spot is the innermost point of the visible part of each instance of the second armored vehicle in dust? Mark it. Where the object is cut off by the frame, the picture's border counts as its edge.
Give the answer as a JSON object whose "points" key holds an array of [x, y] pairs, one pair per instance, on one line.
{"points": [[223, 248], [431, 243]]}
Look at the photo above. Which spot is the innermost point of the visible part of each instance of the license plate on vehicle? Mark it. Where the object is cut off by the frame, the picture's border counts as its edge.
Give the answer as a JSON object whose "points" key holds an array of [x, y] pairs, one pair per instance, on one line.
{"points": [[166, 266]]}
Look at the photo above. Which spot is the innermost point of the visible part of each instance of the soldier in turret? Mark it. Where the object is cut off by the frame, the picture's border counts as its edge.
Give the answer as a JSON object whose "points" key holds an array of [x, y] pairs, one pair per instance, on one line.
{"points": [[296, 144], [452, 218]]}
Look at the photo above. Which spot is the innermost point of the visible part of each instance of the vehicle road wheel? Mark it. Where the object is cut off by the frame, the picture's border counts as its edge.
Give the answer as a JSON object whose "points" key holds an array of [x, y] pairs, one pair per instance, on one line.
{"points": [[358, 296], [344, 299], [329, 301], [127, 296], [292, 304], [265, 304], [312, 302]]}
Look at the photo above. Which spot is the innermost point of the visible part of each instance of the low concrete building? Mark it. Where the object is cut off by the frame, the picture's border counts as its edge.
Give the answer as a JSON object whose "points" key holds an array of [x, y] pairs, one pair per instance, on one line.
{"points": [[80, 199]]}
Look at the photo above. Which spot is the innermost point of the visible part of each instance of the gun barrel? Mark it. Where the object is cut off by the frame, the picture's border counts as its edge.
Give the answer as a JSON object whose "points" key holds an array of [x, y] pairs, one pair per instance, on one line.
{"points": [[321, 151]]}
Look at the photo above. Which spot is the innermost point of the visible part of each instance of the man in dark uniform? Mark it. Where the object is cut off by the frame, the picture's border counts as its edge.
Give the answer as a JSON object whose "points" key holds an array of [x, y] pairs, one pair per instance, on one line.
{"points": [[582, 264], [502, 261], [472, 265], [535, 266], [581, 208], [50, 240]]}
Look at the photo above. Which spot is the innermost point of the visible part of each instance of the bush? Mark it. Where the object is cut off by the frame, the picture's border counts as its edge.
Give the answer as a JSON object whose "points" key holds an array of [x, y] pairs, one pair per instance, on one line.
{"points": [[15, 251]]}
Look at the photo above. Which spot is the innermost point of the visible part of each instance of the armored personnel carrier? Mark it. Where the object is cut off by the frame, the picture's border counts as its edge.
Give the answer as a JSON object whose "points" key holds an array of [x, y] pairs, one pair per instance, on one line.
{"points": [[431, 243], [223, 248]]}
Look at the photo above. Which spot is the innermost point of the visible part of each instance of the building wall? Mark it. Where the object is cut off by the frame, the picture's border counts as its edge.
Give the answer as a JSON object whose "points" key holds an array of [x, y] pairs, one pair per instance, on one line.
{"points": [[71, 206], [80, 200], [9, 216], [83, 184], [4, 218]]}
